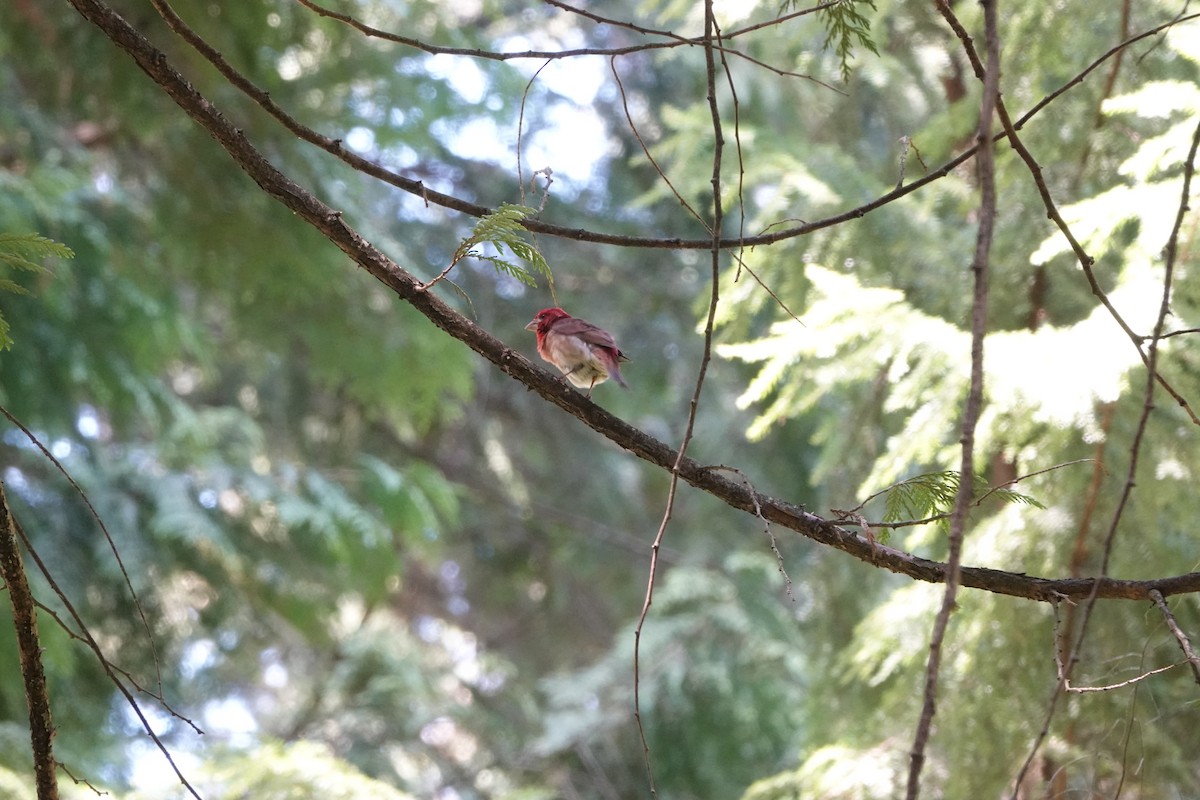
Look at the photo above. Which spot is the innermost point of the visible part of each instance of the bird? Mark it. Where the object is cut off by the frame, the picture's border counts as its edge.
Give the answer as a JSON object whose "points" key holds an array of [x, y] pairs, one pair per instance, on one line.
{"points": [[586, 355]]}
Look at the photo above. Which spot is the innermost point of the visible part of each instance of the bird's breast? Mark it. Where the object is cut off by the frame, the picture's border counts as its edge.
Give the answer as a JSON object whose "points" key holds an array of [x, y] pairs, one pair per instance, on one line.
{"points": [[567, 350]]}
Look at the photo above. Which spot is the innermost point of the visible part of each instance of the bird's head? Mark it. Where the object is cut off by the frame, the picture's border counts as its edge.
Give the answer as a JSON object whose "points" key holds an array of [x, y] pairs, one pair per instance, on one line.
{"points": [[543, 319]]}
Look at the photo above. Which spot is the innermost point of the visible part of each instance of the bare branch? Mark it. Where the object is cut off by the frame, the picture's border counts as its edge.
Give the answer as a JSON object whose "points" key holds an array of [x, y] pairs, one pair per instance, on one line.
{"points": [[1184, 644], [1085, 261], [712, 37], [112, 545], [787, 579], [334, 147], [985, 163], [1152, 377], [1112, 686], [330, 223], [41, 726]]}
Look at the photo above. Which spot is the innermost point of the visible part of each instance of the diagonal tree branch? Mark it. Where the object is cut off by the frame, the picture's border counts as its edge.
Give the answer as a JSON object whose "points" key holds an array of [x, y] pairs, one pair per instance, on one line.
{"points": [[1152, 376], [329, 222], [1086, 261]]}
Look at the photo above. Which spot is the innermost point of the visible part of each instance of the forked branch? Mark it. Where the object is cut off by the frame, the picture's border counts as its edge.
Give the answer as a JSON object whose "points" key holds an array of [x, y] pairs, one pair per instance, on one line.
{"points": [[333, 226]]}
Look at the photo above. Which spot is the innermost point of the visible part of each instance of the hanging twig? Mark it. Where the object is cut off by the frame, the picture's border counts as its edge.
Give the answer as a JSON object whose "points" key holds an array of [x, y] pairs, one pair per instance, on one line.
{"points": [[520, 135], [787, 579], [1184, 643], [612, 63]]}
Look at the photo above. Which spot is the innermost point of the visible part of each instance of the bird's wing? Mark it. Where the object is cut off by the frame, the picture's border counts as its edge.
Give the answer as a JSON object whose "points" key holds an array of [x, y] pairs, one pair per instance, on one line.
{"points": [[571, 326]]}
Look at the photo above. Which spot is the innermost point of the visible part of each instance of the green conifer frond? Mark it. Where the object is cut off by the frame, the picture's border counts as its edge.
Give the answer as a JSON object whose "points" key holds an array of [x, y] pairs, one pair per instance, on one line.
{"points": [[24, 253], [502, 229], [932, 493], [18, 251], [845, 27]]}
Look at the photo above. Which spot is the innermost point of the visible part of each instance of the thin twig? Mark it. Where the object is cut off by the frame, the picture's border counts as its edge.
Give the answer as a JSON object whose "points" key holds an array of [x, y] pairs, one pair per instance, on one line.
{"points": [[646, 149], [521, 132], [419, 189], [712, 35], [742, 265], [847, 517], [158, 698], [112, 545], [372, 32], [741, 196], [985, 162], [722, 49], [787, 579], [1085, 260], [107, 666], [79, 781], [1135, 448], [1169, 334], [441, 276], [1154, 46], [1184, 643], [1029, 475], [1113, 686], [741, 177], [674, 40]]}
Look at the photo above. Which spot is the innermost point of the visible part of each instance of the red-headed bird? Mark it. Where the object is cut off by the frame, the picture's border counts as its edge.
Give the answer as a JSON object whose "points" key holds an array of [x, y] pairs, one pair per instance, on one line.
{"points": [[585, 354]]}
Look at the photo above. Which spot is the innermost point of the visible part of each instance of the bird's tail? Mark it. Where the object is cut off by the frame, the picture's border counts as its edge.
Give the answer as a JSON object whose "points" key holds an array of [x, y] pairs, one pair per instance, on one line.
{"points": [[616, 369]]}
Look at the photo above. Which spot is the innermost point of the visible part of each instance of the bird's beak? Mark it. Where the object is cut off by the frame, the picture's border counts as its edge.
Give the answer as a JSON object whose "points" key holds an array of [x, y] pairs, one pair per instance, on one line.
{"points": [[532, 326]]}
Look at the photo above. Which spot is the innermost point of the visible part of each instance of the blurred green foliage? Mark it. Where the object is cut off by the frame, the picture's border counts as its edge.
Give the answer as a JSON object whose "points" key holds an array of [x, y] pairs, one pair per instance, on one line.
{"points": [[23, 254]]}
